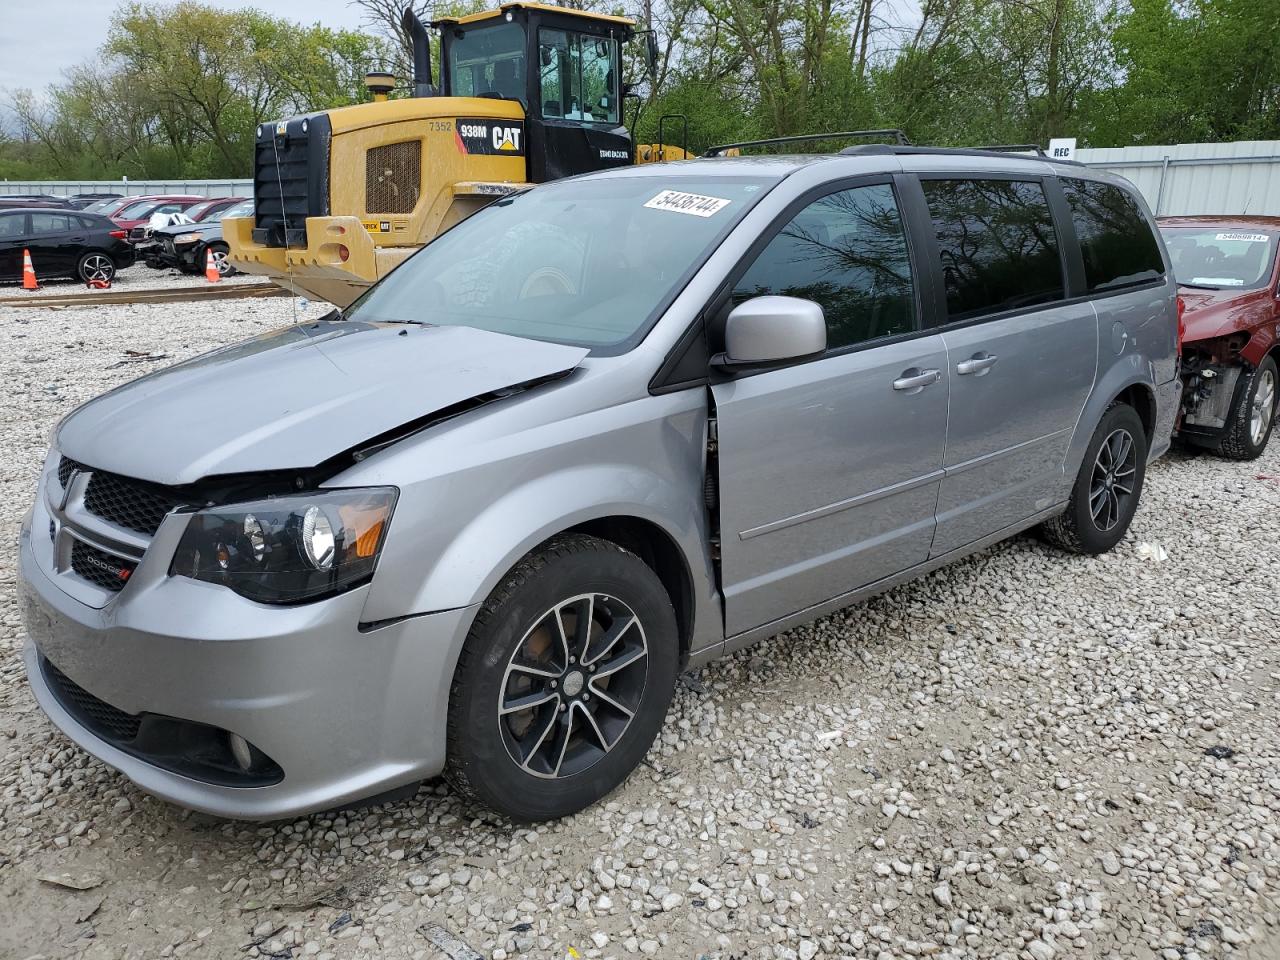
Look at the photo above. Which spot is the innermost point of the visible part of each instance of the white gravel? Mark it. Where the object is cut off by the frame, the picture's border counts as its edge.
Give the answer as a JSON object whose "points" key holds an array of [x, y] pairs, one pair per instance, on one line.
{"points": [[1027, 756], [137, 277]]}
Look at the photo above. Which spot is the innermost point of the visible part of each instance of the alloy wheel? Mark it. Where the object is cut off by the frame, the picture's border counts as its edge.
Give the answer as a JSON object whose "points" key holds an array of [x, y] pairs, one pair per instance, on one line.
{"points": [[221, 261], [98, 267], [573, 685], [1111, 485], [1264, 407]]}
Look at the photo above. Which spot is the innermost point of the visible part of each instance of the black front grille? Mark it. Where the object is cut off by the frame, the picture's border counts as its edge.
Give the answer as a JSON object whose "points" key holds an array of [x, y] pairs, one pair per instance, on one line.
{"points": [[66, 467], [98, 715], [290, 179], [129, 503], [99, 567]]}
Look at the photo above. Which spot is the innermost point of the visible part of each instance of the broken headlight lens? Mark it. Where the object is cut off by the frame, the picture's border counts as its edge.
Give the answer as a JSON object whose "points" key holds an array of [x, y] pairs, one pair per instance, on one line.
{"points": [[185, 238], [290, 549]]}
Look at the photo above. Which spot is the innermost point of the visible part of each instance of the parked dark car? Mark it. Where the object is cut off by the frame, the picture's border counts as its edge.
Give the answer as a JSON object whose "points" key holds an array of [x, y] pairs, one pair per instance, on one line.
{"points": [[147, 243], [1229, 282], [26, 203], [68, 243], [183, 245], [82, 200]]}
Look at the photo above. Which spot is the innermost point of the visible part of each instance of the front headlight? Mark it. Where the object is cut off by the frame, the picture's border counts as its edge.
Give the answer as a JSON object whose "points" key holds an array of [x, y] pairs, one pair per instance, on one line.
{"points": [[186, 238], [288, 549]]}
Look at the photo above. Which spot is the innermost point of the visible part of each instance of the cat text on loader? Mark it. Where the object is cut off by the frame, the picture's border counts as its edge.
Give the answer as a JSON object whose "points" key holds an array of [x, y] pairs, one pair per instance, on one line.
{"points": [[527, 93]]}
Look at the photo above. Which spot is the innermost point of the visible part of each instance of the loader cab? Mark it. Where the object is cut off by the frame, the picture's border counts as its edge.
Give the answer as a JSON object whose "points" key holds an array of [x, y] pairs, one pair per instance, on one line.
{"points": [[565, 69]]}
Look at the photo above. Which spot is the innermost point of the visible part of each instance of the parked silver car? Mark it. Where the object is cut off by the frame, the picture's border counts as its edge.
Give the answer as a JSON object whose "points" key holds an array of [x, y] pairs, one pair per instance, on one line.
{"points": [[599, 433]]}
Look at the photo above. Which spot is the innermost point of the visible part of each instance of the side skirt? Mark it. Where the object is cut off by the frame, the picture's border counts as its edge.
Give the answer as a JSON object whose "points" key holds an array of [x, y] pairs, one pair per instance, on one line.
{"points": [[757, 634]]}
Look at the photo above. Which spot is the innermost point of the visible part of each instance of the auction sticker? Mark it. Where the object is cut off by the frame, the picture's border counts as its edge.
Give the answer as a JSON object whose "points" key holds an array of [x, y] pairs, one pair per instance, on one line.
{"points": [[1246, 237], [691, 203]]}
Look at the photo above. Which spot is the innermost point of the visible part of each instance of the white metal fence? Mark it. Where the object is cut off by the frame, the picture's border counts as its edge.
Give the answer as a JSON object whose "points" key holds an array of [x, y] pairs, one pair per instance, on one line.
{"points": [[1229, 178], [129, 188], [1187, 178]]}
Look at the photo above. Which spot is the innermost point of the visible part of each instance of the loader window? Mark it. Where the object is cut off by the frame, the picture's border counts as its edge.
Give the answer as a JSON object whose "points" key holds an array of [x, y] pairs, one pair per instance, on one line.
{"points": [[578, 76], [489, 62]]}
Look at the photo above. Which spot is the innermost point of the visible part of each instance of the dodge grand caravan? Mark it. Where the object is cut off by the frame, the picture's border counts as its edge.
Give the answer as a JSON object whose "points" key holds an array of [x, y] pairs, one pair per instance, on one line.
{"points": [[600, 432]]}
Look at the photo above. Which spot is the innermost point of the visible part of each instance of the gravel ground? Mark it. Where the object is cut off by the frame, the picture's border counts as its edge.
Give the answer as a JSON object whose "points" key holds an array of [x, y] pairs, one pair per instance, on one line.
{"points": [[137, 277], [1026, 755]]}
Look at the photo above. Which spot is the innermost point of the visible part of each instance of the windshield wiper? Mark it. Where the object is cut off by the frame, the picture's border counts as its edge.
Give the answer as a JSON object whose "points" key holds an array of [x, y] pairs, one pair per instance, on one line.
{"points": [[1198, 286]]}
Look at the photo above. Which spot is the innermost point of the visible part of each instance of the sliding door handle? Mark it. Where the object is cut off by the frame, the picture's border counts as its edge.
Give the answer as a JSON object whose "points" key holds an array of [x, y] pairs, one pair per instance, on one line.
{"points": [[916, 379], [978, 364]]}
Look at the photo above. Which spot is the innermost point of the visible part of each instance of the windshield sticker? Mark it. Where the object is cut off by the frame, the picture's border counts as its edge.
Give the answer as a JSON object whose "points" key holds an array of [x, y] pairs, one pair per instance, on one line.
{"points": [[1216, 282], [1246, 237], [691, 203]]}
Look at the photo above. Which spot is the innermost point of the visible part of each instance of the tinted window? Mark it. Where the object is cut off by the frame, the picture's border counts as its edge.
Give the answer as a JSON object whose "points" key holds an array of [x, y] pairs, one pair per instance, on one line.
{"points": [[94, 223], [50, 223], [997, 242], [12, 224], [848, 253], [1117, 241]]}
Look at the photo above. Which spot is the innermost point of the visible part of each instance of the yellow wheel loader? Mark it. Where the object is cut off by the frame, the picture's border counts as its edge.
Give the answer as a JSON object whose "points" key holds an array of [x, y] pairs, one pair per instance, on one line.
{"points": [[527, 93]]}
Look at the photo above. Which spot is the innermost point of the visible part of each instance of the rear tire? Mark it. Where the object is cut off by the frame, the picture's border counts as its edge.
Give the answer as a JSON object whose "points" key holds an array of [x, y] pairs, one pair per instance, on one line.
{"points": [[1105, 495], [1253, 414], [563, 681], [96, 265]]}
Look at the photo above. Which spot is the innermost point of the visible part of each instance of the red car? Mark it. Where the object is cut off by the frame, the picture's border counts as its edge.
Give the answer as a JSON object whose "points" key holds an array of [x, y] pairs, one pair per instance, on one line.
{"points": [[141, 209], [1228, 284]]}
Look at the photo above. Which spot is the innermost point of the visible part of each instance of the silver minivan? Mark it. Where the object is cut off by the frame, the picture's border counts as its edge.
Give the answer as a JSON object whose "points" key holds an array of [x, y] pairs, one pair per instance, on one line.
{"points": [[601, 432]]}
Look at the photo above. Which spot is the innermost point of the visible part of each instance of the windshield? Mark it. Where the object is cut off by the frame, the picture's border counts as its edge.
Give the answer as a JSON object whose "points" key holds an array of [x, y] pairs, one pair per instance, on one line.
{"points": [[137, 211], [585, 262], [107, 206], [242, 209], [1216, 258], [488, 61]]}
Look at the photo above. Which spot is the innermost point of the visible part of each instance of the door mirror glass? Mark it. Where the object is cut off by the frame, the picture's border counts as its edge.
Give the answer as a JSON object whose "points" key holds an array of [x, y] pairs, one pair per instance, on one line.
{"points": [[767, 330], [651, 53]]}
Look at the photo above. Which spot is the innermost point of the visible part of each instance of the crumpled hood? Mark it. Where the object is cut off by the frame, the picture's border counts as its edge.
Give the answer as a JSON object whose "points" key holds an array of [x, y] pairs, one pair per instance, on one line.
{"points": [[1216, 313], [293, 398]]}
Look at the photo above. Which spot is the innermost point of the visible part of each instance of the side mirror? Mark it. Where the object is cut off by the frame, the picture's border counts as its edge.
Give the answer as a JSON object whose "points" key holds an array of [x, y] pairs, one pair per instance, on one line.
{"points": [[651, 53], [768, 330]]}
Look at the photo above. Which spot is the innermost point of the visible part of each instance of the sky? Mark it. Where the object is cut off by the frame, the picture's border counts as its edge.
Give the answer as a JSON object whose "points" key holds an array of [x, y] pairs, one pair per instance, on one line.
{"points": [[41, 38]]}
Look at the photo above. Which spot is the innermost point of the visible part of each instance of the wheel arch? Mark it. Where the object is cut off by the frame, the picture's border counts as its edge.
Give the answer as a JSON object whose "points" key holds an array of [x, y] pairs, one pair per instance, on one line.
{"points": [[661, 554], [1127, 381]]}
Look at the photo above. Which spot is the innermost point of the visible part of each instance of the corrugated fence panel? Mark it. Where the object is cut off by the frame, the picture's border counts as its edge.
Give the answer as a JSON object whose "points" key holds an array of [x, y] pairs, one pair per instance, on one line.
{"points": [[132, 188], [1189, 178], [1240, 177]]}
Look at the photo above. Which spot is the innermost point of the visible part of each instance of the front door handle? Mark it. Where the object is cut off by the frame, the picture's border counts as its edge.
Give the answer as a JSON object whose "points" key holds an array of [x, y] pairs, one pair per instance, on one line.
{"points": [[916, 379], [978, 364]]}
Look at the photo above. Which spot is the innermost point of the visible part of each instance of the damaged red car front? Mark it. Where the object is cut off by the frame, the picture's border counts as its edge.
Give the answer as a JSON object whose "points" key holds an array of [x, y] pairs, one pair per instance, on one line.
{"points": [[1229, 285]]}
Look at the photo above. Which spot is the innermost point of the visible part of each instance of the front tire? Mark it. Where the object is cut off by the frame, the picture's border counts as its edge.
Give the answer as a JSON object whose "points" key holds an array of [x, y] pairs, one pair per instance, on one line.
{"points": [[222, 260], [1105, 495], [1253, 414], [563, 681]]}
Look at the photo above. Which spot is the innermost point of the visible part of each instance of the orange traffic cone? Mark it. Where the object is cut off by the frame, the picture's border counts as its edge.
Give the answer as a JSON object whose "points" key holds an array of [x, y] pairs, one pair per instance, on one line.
{"points": [[28, 272], [210, 268]]}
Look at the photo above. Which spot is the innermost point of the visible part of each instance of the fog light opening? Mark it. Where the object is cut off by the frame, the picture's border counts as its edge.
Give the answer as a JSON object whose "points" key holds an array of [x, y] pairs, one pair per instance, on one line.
{"points": [[240, 751]]}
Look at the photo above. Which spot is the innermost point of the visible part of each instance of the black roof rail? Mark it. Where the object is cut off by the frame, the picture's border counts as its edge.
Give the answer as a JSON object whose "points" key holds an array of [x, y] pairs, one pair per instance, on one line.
{"points": [[872, 149], [1015, 148], [897, 136]]}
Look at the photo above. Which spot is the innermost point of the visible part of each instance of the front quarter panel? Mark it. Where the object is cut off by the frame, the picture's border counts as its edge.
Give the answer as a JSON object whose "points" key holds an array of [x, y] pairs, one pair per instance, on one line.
{"points": [[476, 498]]}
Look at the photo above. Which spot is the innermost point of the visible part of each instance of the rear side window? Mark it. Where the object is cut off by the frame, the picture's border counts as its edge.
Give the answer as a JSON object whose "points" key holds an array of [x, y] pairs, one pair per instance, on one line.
{"points": [[50, 223], [13, 224], [997, 243], [1116, 239], [846, 252]]}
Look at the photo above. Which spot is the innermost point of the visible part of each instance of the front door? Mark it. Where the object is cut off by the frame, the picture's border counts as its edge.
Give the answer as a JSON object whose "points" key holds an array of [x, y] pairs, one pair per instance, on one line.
{"points": [[56, 239], [13, 234], [829, 469], [1021, 361]]}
